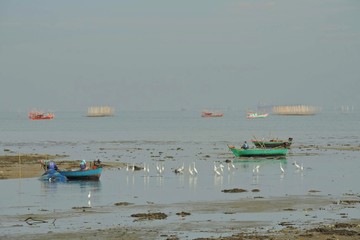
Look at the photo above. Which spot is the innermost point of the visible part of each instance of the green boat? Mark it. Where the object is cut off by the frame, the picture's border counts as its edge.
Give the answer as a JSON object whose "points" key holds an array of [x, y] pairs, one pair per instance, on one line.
{"points": [[258, 152]]}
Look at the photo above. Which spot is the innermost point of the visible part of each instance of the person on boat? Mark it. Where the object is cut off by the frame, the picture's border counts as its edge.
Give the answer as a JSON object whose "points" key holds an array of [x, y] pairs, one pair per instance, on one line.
{"points": [[97, 163], [52, 166], [43, 164], [83, 165], [245, 145]]}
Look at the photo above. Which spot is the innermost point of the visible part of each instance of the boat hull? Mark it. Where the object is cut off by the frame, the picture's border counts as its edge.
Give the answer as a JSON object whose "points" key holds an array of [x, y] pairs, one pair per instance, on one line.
{"points": [[90, 174], [211, 114], [258, 152], [40, 116]]}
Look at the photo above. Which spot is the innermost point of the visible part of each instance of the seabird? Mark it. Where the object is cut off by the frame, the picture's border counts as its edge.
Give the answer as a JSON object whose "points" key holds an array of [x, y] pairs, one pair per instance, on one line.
{"points": [[194, 168], [281, 168], [190, 170]]}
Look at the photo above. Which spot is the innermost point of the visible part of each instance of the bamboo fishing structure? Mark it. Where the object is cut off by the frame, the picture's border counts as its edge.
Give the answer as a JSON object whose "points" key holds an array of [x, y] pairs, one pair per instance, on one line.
{"points": [[100, 111], [294, 110]]}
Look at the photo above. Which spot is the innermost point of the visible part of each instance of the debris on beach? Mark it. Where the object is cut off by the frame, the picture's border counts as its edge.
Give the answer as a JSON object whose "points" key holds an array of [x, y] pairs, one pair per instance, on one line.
{"points": [[149, 216], [183, 214], [122, 204], [234, 190]]}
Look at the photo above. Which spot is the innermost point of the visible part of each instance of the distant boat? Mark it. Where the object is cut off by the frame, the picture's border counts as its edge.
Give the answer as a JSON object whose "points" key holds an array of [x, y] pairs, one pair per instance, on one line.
{"points": [[272, 143], [211, 114], [258, 152], [100, 111], [256, 115], [36, 115], [88, 174]]}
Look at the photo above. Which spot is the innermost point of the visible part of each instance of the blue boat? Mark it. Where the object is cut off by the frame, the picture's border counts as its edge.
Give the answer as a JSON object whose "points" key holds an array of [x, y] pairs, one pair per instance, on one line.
{"points": [[52, 175], [87, 174]]}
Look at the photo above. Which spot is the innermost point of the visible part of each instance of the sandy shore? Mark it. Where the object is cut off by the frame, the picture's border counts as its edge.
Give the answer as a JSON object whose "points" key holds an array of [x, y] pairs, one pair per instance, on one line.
{"points": [[231, 230], [27, 166]]}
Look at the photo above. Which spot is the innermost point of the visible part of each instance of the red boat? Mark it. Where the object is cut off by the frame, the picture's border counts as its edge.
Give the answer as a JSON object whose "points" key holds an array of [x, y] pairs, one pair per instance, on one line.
{"points": [[35, 115], [211, 114]]}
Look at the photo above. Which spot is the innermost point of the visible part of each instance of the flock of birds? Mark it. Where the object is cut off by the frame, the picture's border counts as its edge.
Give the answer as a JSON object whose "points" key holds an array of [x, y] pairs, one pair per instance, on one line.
{"points": [[192, 170]]}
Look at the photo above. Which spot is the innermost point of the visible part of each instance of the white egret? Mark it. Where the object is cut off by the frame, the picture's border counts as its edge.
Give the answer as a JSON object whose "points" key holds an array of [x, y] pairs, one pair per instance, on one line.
{"points": [[194, 168], [256, 169], [146, 168], [89, 195], [190, 170], [221, 167], [282, 169], [182, 168], [232, 165], [216, 171], [158, 168], [297, 165]]}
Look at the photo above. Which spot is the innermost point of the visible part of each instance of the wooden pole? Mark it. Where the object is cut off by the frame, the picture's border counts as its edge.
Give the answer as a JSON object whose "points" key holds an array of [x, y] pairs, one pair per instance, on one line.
{"points": [[20, 173]]}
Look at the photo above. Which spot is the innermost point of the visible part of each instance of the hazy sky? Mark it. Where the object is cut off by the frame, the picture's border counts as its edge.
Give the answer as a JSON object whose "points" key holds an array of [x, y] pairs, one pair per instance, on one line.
{"points": [[168, 55]]}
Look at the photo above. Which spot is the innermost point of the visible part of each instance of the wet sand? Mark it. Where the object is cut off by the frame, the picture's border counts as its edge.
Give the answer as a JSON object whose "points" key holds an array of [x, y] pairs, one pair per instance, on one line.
{"points": [[15, 166], [231, 230]]}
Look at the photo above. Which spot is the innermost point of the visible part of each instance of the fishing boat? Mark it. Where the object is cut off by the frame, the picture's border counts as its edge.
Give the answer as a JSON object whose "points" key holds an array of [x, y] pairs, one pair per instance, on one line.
{"points": [[36, 115], [272, 143], [256, 115], [258, 152], [211, 114], [87, 174]]}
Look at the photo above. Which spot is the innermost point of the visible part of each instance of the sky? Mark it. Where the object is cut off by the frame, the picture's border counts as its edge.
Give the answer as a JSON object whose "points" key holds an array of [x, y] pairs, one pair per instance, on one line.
{"points": [[171, 55]]}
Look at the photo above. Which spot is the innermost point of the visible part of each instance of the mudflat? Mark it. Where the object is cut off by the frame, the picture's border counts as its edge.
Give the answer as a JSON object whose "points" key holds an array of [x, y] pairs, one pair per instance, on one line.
{"points": [[28, 166]]}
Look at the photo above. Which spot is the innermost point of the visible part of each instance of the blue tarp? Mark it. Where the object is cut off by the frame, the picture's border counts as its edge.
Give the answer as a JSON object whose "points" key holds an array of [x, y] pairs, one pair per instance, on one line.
{"points": [[53, 176]]}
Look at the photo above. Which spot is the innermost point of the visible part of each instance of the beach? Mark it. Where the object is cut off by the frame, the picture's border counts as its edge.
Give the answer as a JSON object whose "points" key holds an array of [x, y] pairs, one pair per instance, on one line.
{"points": [[308, 206]]}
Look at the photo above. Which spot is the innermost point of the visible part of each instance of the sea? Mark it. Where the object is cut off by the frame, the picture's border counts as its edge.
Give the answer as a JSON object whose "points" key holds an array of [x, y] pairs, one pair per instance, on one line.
{"points": [[171, 139]]}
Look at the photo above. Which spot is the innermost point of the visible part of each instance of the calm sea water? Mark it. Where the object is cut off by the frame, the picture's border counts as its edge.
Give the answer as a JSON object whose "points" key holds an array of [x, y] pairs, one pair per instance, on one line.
{"points": [[174, 139]]}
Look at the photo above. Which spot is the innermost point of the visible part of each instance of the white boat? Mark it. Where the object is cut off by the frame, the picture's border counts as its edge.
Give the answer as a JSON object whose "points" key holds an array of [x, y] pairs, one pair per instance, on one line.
{"points": [[256, 115]]}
